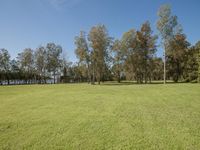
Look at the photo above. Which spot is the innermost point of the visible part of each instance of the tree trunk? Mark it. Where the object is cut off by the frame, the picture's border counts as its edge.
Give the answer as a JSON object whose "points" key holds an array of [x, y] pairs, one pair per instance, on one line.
{"points": [[119, 80], [89, 74], [8, 80], [93, 77], [146, 77], [99, 78], [164, 67], [54, 77]]}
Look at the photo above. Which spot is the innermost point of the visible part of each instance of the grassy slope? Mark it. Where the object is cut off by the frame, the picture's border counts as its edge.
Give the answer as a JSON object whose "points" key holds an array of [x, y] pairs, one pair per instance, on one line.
{"points": [[100, 117]]}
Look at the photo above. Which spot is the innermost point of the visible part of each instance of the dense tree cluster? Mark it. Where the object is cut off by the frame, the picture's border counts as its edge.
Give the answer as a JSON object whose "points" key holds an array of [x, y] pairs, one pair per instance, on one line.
{"points": [[101, 57], [31, 66]]}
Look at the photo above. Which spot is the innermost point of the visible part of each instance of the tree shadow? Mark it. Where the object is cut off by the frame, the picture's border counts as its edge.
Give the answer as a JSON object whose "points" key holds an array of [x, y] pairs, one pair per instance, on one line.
{"points": [[124, 83], [117, 84]]}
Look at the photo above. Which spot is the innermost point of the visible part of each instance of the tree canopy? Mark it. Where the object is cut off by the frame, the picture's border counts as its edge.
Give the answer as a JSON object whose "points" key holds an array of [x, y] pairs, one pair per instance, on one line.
{"points": [[101, 57]]}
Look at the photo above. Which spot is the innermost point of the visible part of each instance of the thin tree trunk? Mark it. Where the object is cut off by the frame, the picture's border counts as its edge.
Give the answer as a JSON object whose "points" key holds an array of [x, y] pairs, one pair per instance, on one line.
{"points": [[119, 80], [164, 59], [89, 76], [8, 80], [93, 76], [54, 77]]}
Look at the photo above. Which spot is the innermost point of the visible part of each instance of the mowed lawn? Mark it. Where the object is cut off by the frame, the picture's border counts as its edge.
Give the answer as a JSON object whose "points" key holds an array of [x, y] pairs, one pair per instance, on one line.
{"points": [[109, 116]]}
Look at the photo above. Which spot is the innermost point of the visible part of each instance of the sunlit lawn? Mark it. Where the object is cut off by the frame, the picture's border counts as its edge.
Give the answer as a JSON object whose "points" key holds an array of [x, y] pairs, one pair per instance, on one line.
{"points": [[109, 116]]}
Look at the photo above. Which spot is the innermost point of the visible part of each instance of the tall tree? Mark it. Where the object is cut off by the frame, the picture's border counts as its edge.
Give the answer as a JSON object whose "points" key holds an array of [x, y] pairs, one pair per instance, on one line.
{"points": [[166, 24], [41, 63], [190, 65], [199, 66], [100, 42], [139, 48], [5, 64], [83, 53], [157, 69], [26, 61], [15, 71], [128, 45], [53, 58], [198, 59], [118, 59], [147, 46], [176, 56]]}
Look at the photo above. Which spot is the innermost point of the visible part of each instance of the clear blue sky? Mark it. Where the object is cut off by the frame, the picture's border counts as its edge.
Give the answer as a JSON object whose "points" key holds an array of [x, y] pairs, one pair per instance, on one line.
{"points": [[30, 23]]}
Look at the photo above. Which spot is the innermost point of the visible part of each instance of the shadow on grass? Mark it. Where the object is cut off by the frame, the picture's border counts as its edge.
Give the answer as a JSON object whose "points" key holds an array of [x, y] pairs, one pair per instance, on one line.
{"points": [[123, 83]]}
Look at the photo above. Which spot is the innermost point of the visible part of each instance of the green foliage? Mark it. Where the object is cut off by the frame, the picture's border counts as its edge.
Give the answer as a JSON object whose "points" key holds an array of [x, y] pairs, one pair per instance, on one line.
{"points": [[167, 23], [100, 43], [41, 61], [26, 60], [168, 26], [199, 69], [176, 56], [4, 65], [4, 60], [118, 59], [190, 69], [53, 58], [82, 50], [139, 49], [198, 60], [84, 55], [100, 58]]}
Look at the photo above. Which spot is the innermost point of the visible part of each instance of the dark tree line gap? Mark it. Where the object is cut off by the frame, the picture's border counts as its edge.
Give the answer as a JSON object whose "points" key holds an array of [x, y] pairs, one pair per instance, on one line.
{"points": [[104, 58]]}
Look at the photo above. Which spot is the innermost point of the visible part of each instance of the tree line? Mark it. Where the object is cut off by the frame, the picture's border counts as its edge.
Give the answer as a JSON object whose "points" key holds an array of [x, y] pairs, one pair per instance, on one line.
{"points": [[104, 58]]}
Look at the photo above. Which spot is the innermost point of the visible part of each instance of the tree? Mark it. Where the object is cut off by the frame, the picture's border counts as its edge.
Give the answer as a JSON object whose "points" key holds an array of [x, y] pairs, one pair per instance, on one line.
{"points": [[198, 59], [118, 59], [157, 69], [147, 46], [26, 62], [199, 67], [83, 53], [139, 48], [15, 71], [41, 63], [5, 64], [100, 42], [167, 26], [176, 56], [128, 46], [190, 69], [53, 58]]}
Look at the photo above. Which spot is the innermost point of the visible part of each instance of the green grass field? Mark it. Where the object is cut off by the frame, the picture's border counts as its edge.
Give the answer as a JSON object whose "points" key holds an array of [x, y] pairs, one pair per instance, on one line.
{"points": [[109, 116]]}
